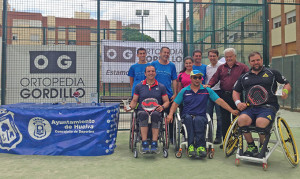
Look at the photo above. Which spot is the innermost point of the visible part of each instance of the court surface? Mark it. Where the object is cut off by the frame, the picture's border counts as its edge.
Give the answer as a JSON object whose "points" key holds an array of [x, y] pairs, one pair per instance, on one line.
{"points": [[122, 164]]}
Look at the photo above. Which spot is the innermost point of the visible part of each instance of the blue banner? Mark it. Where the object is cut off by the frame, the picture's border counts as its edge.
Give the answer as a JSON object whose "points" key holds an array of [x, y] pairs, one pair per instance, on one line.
{"points": [[57, 129]]}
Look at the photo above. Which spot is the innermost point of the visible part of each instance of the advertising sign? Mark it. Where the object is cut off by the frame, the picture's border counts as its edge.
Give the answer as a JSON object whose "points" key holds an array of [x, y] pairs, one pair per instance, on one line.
{"points": [[118, 56]]}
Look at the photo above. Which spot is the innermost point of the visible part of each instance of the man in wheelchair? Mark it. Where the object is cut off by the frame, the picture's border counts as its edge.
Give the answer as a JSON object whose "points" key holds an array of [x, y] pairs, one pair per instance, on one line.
{"points": [[260, 85], [156, 92], [194, 98]]}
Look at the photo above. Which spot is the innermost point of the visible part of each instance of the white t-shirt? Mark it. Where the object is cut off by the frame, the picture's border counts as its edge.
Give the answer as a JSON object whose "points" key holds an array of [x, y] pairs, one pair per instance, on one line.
{"points": [[210, 71]]}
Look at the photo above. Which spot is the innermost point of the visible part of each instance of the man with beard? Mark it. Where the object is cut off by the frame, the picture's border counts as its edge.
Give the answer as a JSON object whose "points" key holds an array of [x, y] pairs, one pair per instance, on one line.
{"points": [[260, 115]]}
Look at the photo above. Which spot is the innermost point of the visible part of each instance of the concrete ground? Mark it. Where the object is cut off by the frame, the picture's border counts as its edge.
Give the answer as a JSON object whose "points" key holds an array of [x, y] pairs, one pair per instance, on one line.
{"points": [[122, 164]]}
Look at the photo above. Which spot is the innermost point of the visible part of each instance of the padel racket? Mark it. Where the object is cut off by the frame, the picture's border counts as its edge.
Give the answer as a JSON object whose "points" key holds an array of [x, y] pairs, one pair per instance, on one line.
{"points": [[149, 105], [257, 95]]}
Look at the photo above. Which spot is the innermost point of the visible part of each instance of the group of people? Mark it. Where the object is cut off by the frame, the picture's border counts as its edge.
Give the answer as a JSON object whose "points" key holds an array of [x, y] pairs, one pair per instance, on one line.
{"points": [[199, 89]]}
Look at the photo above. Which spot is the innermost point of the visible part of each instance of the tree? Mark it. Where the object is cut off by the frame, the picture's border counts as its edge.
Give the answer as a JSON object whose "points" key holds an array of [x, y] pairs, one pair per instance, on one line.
{"points": [[135, 35]]}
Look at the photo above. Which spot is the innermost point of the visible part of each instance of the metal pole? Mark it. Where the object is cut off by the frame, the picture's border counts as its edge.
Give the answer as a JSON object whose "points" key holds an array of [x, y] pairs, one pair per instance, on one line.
{"points": [[142, 28], [185, 52], [98, 48], [266, 54], [191, 15], [225, 24], [4, 43], [175, 21], [242, 40], [213, 38]]}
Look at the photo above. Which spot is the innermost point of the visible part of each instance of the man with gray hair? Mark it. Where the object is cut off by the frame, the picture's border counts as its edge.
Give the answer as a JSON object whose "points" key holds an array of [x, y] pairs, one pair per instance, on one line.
{"points": [[228, 74]]}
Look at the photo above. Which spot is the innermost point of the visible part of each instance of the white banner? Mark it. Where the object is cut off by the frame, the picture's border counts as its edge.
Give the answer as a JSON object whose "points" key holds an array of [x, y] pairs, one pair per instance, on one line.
{"points": [[118, 56], [50, 73]]}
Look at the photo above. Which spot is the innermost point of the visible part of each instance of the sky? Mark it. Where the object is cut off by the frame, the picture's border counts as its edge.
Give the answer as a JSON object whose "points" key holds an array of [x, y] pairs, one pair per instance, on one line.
{"points": [[109, 10]]}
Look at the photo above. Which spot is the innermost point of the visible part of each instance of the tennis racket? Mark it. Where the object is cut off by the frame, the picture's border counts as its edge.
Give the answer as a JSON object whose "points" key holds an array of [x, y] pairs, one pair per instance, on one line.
{"points": [[149, 105], [257, 95]]}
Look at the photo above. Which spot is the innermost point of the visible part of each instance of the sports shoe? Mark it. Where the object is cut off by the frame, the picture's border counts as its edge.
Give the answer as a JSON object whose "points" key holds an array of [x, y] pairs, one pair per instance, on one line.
{"points": [[145, 146], [191, 151], [201, 152], [154, 146], [218, 141], [252, 148]]}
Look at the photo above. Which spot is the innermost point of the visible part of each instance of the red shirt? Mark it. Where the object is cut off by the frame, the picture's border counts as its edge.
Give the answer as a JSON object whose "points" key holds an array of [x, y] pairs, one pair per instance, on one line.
{"points": [[228, 76]]}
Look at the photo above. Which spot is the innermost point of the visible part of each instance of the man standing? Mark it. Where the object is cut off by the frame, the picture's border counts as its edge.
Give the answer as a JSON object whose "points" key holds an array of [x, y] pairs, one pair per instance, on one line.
{"points": [[262, 114], [228, 74], [213, 56], [197, 56], [194, 98], [166, 74], [136, 71], [149, 88]]}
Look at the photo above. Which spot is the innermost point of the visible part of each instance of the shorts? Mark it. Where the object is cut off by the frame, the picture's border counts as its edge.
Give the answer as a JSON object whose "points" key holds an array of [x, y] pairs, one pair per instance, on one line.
{"points": [[256, 112]]}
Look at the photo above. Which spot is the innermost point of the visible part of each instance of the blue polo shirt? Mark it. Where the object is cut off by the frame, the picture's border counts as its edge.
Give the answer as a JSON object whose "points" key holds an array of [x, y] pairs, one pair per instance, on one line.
{"points": [[165, 74], [144, 91], [195, 103]]}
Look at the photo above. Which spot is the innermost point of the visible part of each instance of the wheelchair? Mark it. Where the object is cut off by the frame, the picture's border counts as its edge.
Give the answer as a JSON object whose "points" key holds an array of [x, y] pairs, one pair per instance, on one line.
{"points": [[135, 138], [234, 141], [180, 137]]}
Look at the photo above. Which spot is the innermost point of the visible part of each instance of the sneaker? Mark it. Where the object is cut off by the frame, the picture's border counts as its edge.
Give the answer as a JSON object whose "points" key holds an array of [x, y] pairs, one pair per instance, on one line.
{"points": [[260, 148], [218, 141], [251, 150], [201, 152], [191, 151], [145, 146], [154, 146]]}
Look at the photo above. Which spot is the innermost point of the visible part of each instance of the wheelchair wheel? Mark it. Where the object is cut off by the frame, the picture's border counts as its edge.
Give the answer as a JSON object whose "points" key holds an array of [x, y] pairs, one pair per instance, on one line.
{"points": [[167, 141], [176, 131], [288, 143], [210, 131], [132, 133], [231, 139]]}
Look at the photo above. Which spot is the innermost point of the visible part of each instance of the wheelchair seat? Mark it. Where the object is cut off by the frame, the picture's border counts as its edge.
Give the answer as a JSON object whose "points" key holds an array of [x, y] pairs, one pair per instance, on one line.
{"points": [[135, 138], [181, 137], [234, 141]]}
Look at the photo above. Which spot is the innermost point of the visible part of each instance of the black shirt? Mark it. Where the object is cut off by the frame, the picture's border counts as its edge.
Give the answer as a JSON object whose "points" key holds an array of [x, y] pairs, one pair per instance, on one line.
{"points": [[266, 78]]}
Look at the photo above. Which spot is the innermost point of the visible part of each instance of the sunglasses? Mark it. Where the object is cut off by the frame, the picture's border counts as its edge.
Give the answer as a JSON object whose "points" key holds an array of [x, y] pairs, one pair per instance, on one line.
{"points": [[197, 77], [229, 71]]}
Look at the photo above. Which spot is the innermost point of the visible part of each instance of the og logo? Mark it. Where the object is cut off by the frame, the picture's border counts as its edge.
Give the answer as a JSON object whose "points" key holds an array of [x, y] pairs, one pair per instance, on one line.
{"points": [[39, 128]]}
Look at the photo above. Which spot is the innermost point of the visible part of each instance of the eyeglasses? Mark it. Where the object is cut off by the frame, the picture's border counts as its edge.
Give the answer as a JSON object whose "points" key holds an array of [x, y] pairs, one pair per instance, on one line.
{"points": [[197, 77], [229, 71]]}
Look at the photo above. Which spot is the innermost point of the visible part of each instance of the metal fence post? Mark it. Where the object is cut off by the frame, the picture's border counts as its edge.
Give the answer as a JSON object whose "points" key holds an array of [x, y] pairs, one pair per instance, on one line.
{"points": [[4, 43]]}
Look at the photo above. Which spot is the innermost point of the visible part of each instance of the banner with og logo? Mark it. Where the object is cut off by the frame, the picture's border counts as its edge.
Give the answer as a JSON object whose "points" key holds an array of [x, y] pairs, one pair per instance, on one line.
{"points": [[118, 56]]}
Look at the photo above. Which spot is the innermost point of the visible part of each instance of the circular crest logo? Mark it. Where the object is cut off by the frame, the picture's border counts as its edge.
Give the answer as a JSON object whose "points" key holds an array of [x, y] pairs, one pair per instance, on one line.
{"points": [[39, 128]]}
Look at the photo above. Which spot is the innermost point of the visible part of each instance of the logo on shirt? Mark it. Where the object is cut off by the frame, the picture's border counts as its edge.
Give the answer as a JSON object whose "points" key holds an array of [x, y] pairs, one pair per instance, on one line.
{"points": [[265, 75], [246, 78], [188, 94], [270, 117]]}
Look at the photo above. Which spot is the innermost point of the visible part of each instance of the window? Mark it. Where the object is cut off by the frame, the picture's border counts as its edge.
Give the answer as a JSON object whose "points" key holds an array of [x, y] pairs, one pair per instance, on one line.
{"points": [[291, 17], [61, 42], [51, 28], [276, 22], [72, 29], [61, 28], [72, 42], [15, 37]]}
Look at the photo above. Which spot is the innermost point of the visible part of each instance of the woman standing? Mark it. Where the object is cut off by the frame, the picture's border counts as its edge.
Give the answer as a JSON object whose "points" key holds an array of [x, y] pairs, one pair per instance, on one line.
{"points": [[183, 79]]}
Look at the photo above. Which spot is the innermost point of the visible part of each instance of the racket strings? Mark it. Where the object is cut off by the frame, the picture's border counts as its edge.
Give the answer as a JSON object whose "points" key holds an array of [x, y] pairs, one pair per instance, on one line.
{"points": [[257, 95]]}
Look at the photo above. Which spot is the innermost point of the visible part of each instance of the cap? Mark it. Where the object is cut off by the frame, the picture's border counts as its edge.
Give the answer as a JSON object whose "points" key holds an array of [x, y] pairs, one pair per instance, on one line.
{"points": [[196, 72]]}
